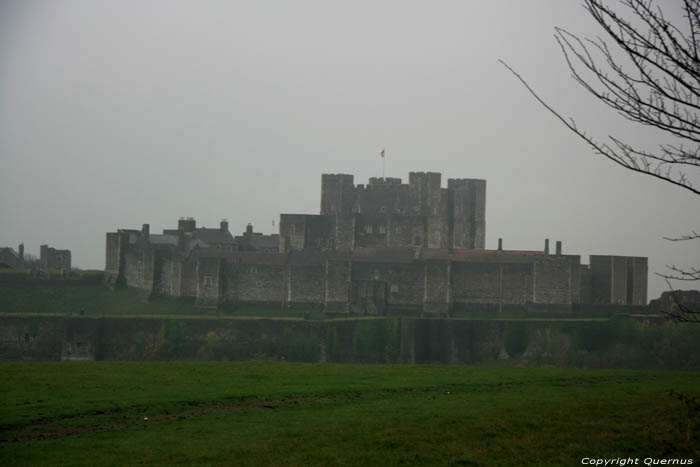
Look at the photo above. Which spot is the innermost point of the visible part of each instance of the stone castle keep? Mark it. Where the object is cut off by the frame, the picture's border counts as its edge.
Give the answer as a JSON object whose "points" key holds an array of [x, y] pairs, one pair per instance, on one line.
{"points": [[373, 248]]}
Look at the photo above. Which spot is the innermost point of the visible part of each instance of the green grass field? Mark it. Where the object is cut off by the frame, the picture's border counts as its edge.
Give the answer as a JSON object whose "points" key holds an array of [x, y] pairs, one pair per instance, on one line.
{"points": [[322, 414], [96, 300]]}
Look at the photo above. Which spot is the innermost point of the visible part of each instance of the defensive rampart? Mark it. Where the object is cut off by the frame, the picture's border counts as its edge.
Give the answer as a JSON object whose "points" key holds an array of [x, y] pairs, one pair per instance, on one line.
{"points": [[619, 342]]}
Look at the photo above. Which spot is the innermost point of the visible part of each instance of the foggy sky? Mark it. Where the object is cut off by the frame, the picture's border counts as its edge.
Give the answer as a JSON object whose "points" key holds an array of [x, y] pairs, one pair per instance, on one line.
{"points": [[115, 114]]}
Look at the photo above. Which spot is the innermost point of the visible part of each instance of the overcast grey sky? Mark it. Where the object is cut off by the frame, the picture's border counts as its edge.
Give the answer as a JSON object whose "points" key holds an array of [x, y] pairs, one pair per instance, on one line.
{"points": [[119, 113]]}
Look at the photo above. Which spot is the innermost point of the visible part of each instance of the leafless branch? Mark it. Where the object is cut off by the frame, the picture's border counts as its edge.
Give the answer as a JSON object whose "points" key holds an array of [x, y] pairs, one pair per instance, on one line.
{"points": [[692, 236], [681, 312], [658, 85], [647, 69]]}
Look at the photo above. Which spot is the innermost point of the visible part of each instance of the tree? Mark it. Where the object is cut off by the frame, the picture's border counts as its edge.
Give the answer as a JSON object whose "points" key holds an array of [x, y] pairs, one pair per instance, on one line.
{"points": [[647, 68], [31, 261]]}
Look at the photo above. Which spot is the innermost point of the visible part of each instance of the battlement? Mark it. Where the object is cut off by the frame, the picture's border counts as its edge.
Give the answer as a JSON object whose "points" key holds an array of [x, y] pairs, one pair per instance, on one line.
{"points": [[384, 181], [421, 180], [465, 183]]}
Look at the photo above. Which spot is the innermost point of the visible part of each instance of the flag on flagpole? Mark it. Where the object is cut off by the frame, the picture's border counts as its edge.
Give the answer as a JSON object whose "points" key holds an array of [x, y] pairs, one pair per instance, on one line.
{"points": [[382, 153]]}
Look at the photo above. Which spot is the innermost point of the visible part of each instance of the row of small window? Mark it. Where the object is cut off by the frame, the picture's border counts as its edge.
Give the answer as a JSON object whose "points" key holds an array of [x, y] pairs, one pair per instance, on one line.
{"points": [[381, 229]]}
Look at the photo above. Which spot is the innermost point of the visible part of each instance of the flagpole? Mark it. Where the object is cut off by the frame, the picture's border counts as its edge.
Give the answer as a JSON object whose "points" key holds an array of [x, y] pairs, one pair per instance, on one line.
{"points": [[383, 162]]}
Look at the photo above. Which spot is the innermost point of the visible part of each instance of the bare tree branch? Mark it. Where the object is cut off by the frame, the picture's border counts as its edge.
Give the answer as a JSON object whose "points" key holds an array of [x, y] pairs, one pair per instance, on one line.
{"points": [[625, 159], [661, 88], [682, 312], [692, 236], [647, 69]]}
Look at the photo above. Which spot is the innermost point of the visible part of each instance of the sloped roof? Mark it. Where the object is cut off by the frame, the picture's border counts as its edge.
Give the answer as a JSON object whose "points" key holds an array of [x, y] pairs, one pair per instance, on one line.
{"points": [[157, 239], [481, 255], [212, 236], [385, 255], [10, 250], [259, 241]]}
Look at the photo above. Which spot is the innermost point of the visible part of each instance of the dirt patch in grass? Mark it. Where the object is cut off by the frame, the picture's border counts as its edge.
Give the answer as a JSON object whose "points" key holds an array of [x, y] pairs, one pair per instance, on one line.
{"points": [[104, 420]]}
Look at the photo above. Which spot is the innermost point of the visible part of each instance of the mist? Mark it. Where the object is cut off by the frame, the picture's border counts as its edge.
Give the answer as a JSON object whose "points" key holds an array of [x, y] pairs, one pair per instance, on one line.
{"points": [[115, 114]]}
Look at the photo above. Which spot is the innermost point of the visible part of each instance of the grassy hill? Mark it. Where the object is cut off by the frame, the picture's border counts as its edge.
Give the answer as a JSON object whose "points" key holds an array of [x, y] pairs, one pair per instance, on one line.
{"points": [[96, 300]]}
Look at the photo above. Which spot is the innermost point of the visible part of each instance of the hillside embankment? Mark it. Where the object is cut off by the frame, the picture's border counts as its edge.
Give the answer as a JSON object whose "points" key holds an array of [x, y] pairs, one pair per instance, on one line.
{"points": [[621, 342]]}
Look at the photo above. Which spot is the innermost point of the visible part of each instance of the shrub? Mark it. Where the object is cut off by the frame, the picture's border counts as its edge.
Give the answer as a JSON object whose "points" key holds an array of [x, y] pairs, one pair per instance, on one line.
{"points": [[516, 338]]}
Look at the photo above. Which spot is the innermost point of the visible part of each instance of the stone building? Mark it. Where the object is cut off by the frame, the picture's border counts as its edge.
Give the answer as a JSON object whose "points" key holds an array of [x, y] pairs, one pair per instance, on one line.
{"points": [[255, 241], [9, 258], [387, 213], [51, 258], [382, 246]]}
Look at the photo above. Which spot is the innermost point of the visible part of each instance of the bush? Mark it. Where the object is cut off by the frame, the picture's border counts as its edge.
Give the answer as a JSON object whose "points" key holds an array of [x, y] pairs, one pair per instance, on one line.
{"points": [[516, 338]]}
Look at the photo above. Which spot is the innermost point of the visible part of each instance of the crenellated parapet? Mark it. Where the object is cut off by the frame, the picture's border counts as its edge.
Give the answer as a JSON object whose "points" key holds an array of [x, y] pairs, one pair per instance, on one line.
{"points": [[386, 212]]}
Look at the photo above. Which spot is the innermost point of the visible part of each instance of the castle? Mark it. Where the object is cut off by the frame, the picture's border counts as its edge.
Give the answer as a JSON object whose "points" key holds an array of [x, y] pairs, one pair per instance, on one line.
{"points": [[373, 248], [51, 258]]}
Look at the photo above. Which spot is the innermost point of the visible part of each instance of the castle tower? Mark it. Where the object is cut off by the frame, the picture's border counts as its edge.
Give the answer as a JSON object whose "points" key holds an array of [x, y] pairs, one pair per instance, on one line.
{"points": [[43, 256], [468, 212], [338, 198], [337, 193]]}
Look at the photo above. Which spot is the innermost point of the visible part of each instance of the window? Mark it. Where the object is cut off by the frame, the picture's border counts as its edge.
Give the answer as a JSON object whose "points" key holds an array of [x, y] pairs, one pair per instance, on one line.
{"points": [[394, 289], [368, 229], [382, 229]]}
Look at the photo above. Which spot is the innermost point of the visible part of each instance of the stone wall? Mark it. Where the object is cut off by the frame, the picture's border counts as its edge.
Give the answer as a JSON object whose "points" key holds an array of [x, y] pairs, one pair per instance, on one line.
{"points": [[376, 340], [338, 286], [300, 231], [475, 282], [431, 279], [209, 282], [618, 279], [51, 258], [112, 252], [556, 278]]}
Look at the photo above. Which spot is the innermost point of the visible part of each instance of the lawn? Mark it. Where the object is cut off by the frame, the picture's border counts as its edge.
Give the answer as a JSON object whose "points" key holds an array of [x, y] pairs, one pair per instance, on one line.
{"points": [[322, 414], [96, 300]]}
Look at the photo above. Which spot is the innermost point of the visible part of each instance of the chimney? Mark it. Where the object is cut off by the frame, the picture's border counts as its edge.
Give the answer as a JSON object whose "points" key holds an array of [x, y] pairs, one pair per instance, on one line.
{"points": [[558, 248], [500, 244], [249, 228], [21, 251], [187, 225], [146, 230], [224, 225], [546, 246]]}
